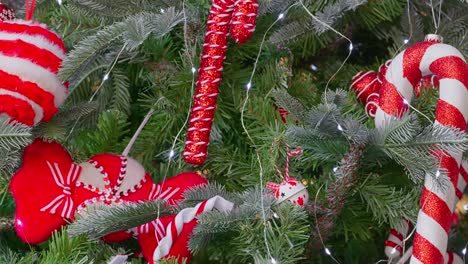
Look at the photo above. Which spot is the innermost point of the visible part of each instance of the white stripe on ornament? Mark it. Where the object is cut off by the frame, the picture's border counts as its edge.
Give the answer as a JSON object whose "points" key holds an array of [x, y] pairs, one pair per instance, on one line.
{"points": [[394, 75], [454, 93], [428, 228], [31, 72], [414, 260], [435, 52], [38, 113], [36, 40]]}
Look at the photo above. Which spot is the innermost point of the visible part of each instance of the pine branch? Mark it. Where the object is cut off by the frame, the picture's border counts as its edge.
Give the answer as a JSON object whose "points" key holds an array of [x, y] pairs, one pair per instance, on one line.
{"points": [[97, 222], [327, 212], [13, 135]]}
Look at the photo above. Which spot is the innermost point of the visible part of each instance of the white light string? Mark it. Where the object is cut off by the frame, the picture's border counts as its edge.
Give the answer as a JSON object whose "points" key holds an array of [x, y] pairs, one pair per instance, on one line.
{"points": [[326, 249], [172, 153], [104, 79], [248, 87]]}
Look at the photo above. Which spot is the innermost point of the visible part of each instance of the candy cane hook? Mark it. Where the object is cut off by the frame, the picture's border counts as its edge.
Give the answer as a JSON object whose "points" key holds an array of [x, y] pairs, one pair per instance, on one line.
{"points": [[401, 78]]}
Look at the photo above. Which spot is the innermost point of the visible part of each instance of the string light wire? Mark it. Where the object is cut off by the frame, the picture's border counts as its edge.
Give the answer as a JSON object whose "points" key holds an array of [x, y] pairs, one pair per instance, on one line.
{"points": [[244, 105], [104, 79]]}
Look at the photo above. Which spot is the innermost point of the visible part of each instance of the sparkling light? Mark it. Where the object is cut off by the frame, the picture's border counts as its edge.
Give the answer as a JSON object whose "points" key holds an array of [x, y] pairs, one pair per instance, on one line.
{"points": [[249, 85], [59, 2], [464, 251], [171, 153], [393, 251], [351, 47], [335, 169], [405, 101], [340, 128], [162, 11], [406, 41], [281, 16], [273, 261], [194, 70], [465, 207], [437, 174], [275, 215], [327, 251], [106, 77], [313, 67]]}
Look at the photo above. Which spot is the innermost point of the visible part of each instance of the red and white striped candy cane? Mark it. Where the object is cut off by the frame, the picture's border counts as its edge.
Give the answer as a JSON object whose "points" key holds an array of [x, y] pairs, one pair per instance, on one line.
{"points": [[394, 245], [238, 17], [184, 217], [402, 76]]}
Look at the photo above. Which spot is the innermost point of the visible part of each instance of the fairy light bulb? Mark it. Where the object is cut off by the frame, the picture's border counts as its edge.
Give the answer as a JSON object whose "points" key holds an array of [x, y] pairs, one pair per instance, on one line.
{"points": [[351, 47], [437, 174], [340, 128], [249, 85], [464, 251], [313, 67], [106, 77], [194, 70], [405, 102], [406, 41], [335, 169], [275, 215], [327, 251], [281, 16], [393, 251], [162, 11], [171, 153], [59, 2], [273, 260]]}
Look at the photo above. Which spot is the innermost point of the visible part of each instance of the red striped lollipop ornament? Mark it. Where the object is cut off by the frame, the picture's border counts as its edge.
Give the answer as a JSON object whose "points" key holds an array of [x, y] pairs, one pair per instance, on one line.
{"points": [[406, 70], [238, 17], [30, 58]]}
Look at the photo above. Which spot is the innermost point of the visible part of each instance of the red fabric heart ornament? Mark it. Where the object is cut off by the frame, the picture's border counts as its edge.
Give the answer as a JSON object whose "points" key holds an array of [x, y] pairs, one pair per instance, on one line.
{"points": [[50, 188], [42, 190]]}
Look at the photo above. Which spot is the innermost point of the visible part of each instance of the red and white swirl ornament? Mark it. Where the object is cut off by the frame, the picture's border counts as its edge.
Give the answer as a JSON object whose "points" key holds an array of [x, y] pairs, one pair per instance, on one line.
{"points": [[238, 17], [30, 58], [401, 78], [394, 245]]}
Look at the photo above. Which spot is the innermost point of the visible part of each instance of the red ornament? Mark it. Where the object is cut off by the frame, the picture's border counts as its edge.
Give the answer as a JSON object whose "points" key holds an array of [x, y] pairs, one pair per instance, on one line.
{"points": [[399, 81], [50, 188], [395, 243], [30, 57], [290, 189], [6, 13], [239, 17], [168, 236]]}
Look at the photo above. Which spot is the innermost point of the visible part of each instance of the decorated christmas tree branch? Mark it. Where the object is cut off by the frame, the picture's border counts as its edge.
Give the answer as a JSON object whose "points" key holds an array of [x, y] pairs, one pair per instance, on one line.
{"points": [[326, 212], [105, 220]]}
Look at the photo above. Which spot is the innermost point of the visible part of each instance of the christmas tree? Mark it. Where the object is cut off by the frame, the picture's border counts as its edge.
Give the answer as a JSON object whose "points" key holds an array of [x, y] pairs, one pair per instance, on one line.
{"points": [[235, 131]]}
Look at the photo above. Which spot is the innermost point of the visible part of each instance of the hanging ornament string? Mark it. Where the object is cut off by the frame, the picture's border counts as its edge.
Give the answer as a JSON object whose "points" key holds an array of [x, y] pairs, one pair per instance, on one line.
{"points": [[290, 153], [29, 9]]}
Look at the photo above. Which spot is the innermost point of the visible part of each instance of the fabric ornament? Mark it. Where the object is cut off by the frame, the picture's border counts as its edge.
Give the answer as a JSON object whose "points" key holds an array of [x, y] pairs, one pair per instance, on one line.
{"points": [[395, 243], [238, 17], [6, 13], [168, 236], [290, 189], [49, 188], [399, 83], [30, 58]]}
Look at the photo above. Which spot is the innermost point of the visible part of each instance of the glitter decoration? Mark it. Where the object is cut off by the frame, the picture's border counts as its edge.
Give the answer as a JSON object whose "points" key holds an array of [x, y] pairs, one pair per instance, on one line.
{"points": [[401, 79], [6, 13], [426, 64], [238, 17]]}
